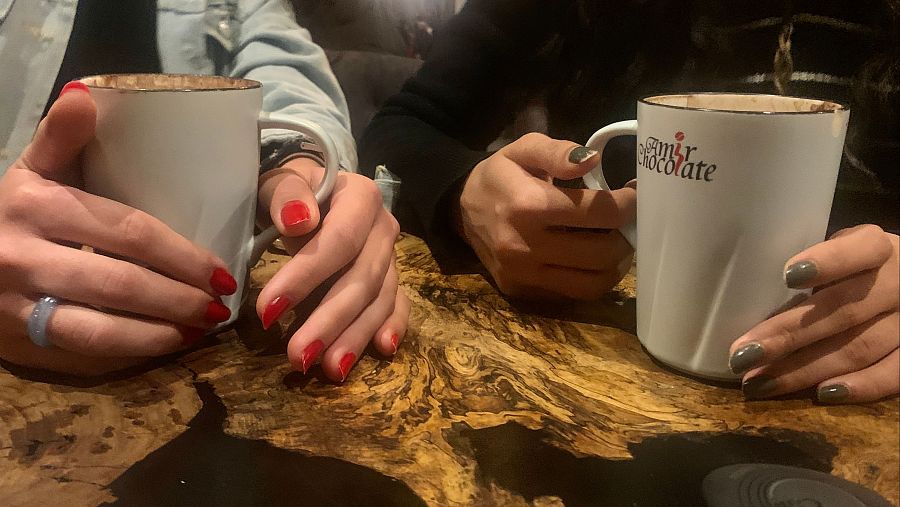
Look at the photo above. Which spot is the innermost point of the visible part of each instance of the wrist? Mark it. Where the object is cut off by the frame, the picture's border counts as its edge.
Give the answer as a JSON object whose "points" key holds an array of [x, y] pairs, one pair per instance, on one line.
{"points": [[457, 224], [275, 155]]}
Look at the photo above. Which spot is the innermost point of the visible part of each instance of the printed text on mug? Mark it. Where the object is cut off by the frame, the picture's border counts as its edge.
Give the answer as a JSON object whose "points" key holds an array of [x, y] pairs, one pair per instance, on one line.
{"points": [[674, 159]]}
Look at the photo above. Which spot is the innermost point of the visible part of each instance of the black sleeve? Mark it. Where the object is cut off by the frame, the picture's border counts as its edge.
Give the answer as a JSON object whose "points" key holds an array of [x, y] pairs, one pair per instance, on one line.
{"points": [[436, 129]]}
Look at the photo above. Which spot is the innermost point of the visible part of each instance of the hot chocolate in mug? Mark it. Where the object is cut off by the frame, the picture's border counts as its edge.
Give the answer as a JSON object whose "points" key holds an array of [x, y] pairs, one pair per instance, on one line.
{"points": [[185, 149], [730, 186]]}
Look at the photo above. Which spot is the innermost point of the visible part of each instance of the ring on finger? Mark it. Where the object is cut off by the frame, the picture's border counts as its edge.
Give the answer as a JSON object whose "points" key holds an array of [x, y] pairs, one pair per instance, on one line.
{"points": [[40, 316]]}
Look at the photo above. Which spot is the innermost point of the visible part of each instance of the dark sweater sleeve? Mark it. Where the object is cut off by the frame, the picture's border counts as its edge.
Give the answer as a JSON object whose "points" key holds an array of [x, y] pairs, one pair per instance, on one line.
{"points": [[436, 129]]}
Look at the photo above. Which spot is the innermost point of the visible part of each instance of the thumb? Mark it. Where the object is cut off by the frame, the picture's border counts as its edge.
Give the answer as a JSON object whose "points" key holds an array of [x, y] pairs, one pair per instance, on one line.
{"points": [[542, 155], [287, 194], [62, 135]]}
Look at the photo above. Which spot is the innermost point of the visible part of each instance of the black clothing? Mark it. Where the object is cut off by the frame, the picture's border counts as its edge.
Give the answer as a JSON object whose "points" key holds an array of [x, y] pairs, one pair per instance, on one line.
{"points": [[110, 37], [497, 54]]}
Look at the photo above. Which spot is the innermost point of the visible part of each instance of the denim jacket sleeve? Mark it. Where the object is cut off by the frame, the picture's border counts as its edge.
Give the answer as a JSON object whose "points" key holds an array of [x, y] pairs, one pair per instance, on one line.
{"points": [[260, 40]]}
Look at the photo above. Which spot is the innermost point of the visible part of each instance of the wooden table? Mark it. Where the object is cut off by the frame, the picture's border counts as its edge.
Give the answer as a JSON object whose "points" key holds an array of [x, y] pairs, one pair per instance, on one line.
{"points": [[485, 404]]}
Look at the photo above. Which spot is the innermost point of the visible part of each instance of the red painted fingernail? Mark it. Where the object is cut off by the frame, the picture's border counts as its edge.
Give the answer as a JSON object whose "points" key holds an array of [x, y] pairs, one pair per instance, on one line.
{"points": [[395, 341], [311, 354], [216, 312], [294, 212], [74, 85], [274, 310], [191, 335], [222, 282], [345, 364]]}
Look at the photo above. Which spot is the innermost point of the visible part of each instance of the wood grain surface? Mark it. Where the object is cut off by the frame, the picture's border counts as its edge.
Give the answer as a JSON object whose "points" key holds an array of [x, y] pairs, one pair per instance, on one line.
{"points": [[486, 403]]}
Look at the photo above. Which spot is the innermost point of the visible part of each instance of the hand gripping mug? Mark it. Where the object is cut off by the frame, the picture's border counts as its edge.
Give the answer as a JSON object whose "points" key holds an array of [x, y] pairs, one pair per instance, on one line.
{"points": [[730, 186]]}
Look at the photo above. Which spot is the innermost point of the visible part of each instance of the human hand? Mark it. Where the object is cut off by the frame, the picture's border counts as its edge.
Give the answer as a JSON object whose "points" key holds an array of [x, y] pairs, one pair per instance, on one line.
{"points": [[112, 312], [539, 240], [844, 339], [357, 239]]}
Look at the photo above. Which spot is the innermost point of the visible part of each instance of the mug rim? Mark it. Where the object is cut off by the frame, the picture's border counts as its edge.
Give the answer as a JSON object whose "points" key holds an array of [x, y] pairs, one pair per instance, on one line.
{"points": [[646, 100], [237, 83]]}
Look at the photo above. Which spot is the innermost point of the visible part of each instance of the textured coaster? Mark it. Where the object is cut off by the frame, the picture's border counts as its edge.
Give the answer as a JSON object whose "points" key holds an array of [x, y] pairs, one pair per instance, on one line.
{"points": [[763, 485]]}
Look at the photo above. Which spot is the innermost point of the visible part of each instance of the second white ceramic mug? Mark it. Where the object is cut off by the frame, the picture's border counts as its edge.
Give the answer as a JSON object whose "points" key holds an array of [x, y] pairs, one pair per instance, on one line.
{"points": [[730, 186], [185, 149]]}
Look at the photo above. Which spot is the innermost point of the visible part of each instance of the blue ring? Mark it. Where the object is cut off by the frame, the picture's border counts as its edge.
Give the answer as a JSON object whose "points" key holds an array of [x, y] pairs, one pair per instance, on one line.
{"points": [[37, 322]]}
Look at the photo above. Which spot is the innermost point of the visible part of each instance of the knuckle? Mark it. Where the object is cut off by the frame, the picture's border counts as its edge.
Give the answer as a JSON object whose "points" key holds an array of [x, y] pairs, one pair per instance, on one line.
{"points": [[524, 201], [118, 281], [508, 248], [533, 137], [786, 338], [848, 315], [394, 225], [372, 289], [861, 351], [367, 189], [23, 200], [871, 231], [346, 236], [87, 335], [884, 246], [518, 203], [136, 229], [10, 259]]}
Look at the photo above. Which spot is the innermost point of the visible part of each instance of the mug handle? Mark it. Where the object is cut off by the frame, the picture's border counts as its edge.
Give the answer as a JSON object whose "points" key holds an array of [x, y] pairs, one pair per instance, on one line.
{"points": [[261, 241], [595, 179]]}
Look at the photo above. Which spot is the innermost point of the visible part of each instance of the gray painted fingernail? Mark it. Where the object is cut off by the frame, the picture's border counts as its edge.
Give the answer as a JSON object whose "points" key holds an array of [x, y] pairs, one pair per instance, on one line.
{"points": [[580, 154], [746, 357], [760, 386], [834, 393], [797, 274]]}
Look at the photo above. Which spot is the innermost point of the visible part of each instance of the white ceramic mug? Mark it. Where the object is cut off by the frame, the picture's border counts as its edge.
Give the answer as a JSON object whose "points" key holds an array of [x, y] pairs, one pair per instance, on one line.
{"points": [[185, 149], [730, 186]]}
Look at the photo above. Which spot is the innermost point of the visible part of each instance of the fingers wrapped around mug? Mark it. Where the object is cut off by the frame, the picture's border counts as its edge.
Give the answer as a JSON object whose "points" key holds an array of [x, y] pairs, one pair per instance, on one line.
{"points": [[544, 156], [141, 289], [110, 227], [844, 337], [92, 332], [108, 301], [537, 239]]}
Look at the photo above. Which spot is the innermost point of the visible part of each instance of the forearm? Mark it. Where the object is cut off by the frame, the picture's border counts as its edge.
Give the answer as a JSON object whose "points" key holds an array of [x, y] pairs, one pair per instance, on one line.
{"points": [[436, 129], [297, 80]]}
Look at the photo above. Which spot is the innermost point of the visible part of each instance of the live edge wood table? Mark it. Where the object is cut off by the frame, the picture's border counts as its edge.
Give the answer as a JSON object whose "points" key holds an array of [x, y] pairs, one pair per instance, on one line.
{"points": [[486, 403]]}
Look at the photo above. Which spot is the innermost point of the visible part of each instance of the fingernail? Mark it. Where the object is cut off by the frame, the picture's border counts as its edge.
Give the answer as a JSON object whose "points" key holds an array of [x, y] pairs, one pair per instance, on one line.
{"points": [[580, 154], [745, 358], [395, 341], [760, 386], [274, 310], [222, 282], [74, 85], [311, 354], [294, 212], [797, 274], [216, 312], [834, 393], [191, 335], [345, 364]]}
